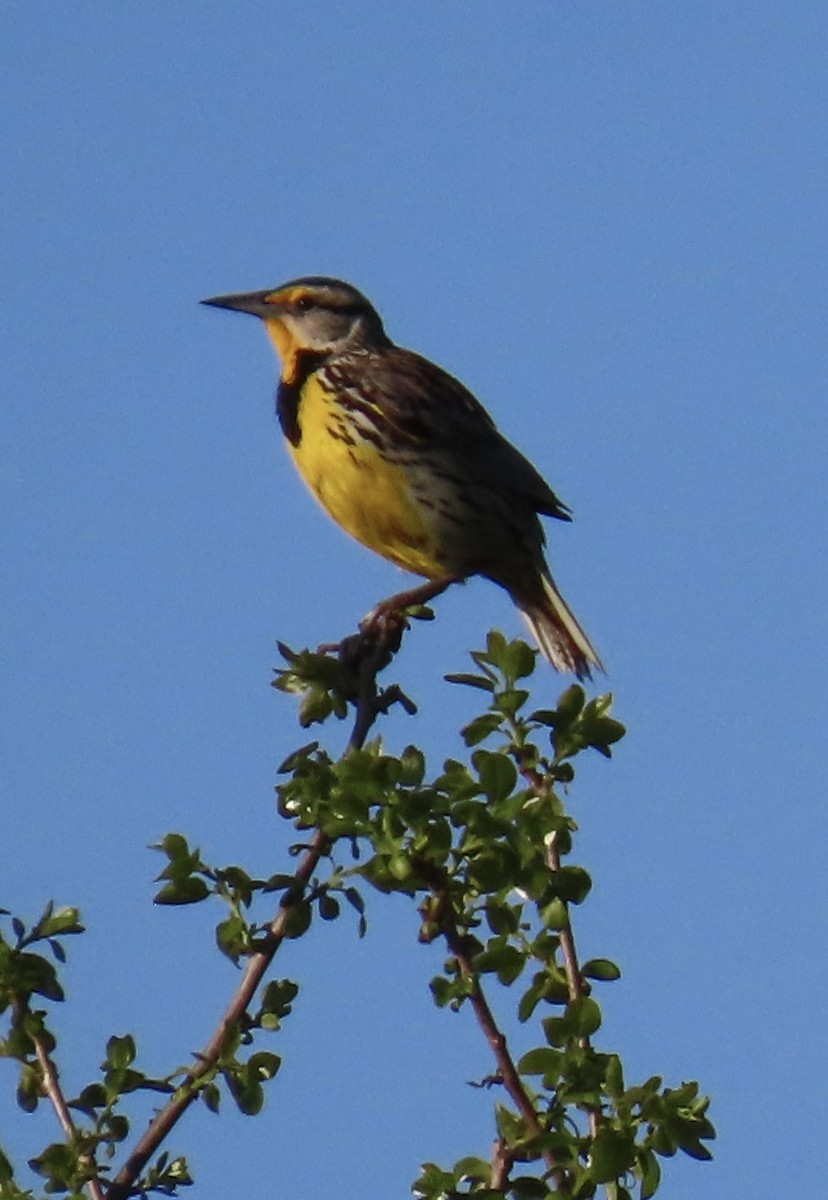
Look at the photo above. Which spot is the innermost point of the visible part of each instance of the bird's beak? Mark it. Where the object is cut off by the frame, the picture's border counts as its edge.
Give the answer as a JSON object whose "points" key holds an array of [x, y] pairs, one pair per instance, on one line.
{"points": [[255, 303]]}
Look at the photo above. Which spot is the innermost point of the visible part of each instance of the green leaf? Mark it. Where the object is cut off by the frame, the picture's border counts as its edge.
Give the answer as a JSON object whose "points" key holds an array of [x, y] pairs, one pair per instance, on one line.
{"points": [[518, 660], [299, 917], [500, 958], [177, 1173], [358, 904], [502, 917], [649, 1172], [583, 1016], [174, 845], [498, 774], [473, 1168], [279, 882], [510, 1126], [399, 866], [601, 968], [510, 702], [189, 890], [246, 1090], [61, 921], [496, 647], [572, 884], [570, 705], [239, 883], [476, 681], [557, 1030], [183, 861], [233, 937], [434, 1183], [614, 1076], [442, 990], [120, 1052], [413, 765], [612, 1154], [58, 1164], [264, 1065], [663, 1141], [480, 728], [554, 915], [540, 1060], [277, 1002], [117, 1127], [528, 1187], [35, 974], [543, 716], [694, 1149], [6, 1169], [278, 996], [599, 729], [315, 707], [491, 868], [57, 948], [328, 907], [531, 998], [28, 1089], [92, 1097], [297, 758]]}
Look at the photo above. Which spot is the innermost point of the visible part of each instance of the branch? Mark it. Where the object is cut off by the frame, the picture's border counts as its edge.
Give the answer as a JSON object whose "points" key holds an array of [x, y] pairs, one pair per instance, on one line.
{"points": [[252, 975], [362, 656], [574, 978], [505, 1063], [540, 785], [503, 1159], [50, 1083]]}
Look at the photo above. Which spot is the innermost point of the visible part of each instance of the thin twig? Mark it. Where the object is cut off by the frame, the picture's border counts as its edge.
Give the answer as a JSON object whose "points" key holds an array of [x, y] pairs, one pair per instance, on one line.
{"points": [[503, 1159], [574, 979], [507, 1070], [576, 988], [50, 1083]]}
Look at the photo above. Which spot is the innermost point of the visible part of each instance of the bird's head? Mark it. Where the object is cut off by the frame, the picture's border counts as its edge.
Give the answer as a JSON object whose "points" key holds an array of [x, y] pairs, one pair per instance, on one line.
{"points": [[313, 315]]}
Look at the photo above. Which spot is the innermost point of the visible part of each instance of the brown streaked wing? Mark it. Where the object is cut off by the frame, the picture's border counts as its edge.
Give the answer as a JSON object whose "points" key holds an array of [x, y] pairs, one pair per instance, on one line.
{"points": [[426, 408]]}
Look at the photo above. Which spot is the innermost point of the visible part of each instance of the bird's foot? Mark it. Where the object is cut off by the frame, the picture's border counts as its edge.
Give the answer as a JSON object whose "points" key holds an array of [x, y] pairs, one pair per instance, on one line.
{"points": [[393, 613]]}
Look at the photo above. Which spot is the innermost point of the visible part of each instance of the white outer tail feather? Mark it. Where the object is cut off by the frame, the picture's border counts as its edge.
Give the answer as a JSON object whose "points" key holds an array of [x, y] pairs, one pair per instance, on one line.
{"points": [[561, 639]]}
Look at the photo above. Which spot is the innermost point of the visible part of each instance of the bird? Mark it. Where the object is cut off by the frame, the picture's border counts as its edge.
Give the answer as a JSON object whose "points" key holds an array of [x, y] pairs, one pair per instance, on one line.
{"points": [[407, 461]]}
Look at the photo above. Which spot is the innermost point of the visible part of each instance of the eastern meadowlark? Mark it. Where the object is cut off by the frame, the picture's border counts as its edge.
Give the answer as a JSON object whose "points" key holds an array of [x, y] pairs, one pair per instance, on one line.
{"points": [[407, 461]]}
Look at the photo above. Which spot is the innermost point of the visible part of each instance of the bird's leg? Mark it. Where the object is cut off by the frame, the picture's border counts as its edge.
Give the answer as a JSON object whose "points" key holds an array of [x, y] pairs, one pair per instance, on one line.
{"points": [[393, 609]]}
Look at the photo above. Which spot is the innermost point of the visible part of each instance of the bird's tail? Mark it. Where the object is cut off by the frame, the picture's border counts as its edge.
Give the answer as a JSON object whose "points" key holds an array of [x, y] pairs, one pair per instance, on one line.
{"points": [[557, 632]]}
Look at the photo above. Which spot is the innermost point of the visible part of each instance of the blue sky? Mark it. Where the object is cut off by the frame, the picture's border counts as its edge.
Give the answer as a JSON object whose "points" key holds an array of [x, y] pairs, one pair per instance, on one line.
{"points": [[609, 220]]}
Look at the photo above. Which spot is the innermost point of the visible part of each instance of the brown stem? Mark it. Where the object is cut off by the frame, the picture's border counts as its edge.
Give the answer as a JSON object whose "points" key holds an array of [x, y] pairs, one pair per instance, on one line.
{"points": [[497, 1041], [574, 979], [252, 975], [366, 654], [502, 1162], [572, 970], [50, 1084]]}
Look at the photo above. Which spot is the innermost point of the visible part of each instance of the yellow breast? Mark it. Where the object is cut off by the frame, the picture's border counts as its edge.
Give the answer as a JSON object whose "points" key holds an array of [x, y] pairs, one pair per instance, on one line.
{"points": [[364, 492]]}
